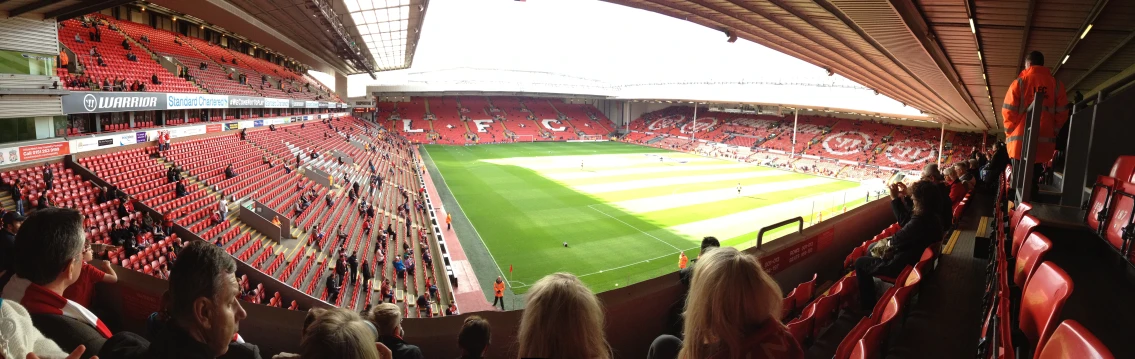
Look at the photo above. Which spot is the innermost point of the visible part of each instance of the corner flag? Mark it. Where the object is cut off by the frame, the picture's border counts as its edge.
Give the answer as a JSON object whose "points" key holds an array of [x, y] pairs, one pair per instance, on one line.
{"points": [[509, 269]]}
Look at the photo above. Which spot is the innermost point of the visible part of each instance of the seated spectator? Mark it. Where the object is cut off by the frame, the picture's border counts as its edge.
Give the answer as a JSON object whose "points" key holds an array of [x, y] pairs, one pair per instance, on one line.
{"points": [[452, 309], [179, 189], [423, 303], [154, 79], [217, 219], [83, 288], [48, 259], [563, 299], [730, 281], [340, 334], [78, 39], [385, 292], [130, 56], [475, 337], [387, 319], [229, 172], [399, 268], [957, 188], [203, 311], [102, 63], [906, 245]]}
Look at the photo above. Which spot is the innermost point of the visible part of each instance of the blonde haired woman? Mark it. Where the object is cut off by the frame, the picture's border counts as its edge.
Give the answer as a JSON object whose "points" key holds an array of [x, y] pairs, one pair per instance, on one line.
{"points": [[341, 334], [562, 319], [730, 313]]}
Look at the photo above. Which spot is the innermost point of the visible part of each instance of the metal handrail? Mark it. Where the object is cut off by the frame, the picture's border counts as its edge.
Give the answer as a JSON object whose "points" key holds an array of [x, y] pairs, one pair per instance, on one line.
{"points": [[761, 234]]}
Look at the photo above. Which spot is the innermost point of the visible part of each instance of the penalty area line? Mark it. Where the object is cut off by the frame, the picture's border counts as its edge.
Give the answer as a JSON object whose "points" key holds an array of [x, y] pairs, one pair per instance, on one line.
{"points": [[592, 206]]}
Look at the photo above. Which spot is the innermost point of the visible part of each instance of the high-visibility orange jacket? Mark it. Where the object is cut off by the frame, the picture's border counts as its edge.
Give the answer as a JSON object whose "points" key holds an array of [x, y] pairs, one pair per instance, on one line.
{"points": [[682, 261], [1054, 112], [498, 287]]}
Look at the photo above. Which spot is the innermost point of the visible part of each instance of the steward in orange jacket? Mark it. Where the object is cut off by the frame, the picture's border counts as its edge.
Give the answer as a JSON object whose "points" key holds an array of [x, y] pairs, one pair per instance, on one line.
{"points": [[1055, 108]]}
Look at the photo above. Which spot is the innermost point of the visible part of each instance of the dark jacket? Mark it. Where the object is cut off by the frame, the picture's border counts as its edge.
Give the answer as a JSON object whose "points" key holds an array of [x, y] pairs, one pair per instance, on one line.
{"points": [[69, 333], [400, 349], [7, 248], [169, 342], [908, 243]]}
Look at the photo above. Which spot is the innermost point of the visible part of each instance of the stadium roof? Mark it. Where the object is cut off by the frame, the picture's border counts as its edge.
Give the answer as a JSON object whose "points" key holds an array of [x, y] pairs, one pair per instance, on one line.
{"points": [[347, 36], [952, 58]]}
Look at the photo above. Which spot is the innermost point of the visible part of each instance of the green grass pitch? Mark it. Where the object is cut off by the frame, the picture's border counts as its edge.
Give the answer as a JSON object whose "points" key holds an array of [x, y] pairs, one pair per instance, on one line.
{"points": [[624, 210]]}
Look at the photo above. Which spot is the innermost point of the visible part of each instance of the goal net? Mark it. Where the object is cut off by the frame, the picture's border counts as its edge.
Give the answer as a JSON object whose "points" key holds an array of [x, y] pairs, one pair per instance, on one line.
{"points": [[525, 138], [593, 138]]}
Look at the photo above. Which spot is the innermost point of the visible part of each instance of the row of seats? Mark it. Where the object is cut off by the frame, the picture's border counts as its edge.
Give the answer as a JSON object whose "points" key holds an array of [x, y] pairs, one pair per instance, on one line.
{"points": [[1026, 302]]}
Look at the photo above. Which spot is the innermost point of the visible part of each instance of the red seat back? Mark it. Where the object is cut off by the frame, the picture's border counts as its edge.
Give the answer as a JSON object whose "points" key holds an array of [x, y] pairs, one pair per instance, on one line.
{"points": [[1022, 231], [1101, 193], [801, 327], [909, 286], [1021, 210], [1031, 255], [869, 346], [1072, 340], [1122, 204], [1042, 300], [825, 311], [803, 292], [1123, 168]]}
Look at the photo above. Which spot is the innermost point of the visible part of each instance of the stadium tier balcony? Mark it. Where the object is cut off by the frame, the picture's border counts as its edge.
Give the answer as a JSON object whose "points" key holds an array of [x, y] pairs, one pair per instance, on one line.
{"points": [[114, 56]]}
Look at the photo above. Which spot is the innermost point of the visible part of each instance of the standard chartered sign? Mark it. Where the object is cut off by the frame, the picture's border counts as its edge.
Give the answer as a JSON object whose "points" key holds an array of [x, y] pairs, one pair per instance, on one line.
{"points": [[183, 101]]}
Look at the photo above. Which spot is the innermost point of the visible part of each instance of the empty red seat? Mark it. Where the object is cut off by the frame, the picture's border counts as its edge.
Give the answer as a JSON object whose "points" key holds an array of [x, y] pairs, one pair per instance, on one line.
{"points": [[1030, 256], [1022, 231], [1042, 300], [1072, 341]]}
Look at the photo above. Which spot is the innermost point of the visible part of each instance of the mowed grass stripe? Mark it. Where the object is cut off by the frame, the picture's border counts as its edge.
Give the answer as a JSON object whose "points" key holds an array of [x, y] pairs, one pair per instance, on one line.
{"points": [[650, 169], [675, 200], [652, 176], [698, 212], [652, 191]]}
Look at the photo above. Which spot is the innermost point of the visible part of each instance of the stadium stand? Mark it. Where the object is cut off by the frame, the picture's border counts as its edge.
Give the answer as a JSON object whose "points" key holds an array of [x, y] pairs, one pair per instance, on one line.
{"points": [[113, 55]]}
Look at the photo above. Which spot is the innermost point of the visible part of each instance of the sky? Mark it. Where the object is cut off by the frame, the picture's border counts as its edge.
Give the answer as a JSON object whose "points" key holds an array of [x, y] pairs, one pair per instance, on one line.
{"points": [[609, 43]]}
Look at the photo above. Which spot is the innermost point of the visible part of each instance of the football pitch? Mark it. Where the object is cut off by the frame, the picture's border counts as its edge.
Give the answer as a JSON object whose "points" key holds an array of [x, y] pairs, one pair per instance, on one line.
{"points": [[625, 211]]}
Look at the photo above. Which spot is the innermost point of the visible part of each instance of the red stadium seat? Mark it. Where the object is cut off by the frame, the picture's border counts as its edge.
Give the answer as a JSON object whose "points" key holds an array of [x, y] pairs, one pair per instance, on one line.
{"points": [[1031, 255], [1022, 209], [801, 328], [1072, 341], [1022, 231], [1042, 300], [870, 345]]}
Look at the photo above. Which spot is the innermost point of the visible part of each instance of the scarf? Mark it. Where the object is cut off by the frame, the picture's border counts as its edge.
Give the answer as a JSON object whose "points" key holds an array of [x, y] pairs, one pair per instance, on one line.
{"points": [[39, 300]]}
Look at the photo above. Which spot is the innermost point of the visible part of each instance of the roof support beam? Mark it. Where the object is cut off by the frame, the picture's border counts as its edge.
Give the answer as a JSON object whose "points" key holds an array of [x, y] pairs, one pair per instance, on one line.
{"points": [[29, 7], [861, 62], [1123, 43], [1025, 36], [1096, 11], [917, 24]]}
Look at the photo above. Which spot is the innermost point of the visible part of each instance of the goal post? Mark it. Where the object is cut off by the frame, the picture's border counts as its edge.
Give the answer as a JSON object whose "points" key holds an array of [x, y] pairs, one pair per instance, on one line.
{"points": [[525, 138], [593, 138]]}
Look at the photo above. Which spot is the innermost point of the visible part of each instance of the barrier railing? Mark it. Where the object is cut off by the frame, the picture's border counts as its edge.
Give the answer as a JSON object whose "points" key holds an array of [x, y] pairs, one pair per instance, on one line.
{"points": [[761, 235]]}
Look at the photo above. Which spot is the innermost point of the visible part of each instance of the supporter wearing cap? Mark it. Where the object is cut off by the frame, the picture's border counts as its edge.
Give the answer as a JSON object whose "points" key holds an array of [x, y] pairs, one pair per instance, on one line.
{"points": [[11, 225]]}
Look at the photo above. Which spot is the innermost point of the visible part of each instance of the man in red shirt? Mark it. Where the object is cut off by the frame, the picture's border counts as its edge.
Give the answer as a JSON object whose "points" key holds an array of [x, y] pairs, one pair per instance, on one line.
{"points": [[81, 291]]}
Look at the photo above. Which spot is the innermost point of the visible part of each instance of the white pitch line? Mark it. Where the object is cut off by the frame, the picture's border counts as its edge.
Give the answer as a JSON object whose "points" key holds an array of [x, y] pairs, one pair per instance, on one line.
{"points": [[592, 206], [499, 270], [635, 263]]}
